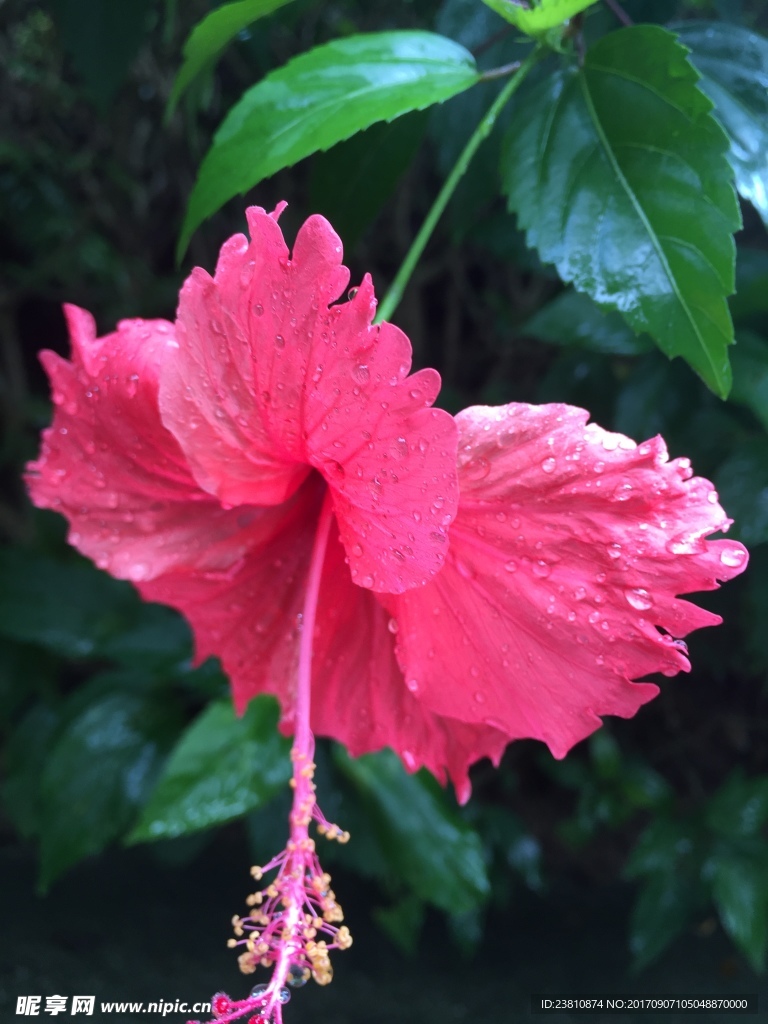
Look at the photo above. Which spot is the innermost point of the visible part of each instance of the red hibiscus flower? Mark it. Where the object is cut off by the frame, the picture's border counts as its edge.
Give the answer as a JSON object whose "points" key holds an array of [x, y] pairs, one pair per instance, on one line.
{"points": [[511, 587]]}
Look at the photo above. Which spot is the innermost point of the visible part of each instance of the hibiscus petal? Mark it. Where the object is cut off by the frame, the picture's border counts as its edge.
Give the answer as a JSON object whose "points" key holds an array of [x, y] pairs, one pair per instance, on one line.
{"points": [[112, 468], [270, 380], [569, 549], [359, 696]]}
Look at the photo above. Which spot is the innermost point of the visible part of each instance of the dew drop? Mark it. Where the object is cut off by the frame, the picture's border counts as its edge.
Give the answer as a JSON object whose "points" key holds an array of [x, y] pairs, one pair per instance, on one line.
{"points": [[614, 550], [594, 617], [367, 581], [361, 373], [478, 468], [571, 616], [732, 557], [511, 565], [541, 569], [392, 626], [580, 593], [413, 685], [357, 550], [610, 442], [258, 990], [479, 697], [279, 341], [258, 309], [297, 976], [549, 465], [639, 599]]}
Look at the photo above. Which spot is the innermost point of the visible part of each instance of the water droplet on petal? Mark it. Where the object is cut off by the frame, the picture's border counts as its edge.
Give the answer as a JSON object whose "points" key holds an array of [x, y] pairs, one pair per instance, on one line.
{"points": [[279, 341], [298, 975], [541, 569], [413, 685], [258, 309], [549, 465], [580, 593], [392, 626], [639, 599], [361, 374], [479, 697], [511, 566], [478, 468], [614, 550], [357, 550], [732, 557]]}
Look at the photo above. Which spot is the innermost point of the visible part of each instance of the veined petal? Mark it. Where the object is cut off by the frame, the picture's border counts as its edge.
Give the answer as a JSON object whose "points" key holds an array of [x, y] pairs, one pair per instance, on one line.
{"points": [[567, 555], [108, 463], [271, 380], [359, 695]]}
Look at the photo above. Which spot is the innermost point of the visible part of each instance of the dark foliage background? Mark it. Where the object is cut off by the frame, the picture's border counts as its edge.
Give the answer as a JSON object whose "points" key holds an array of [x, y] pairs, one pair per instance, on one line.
{"points": [[646, 846]]}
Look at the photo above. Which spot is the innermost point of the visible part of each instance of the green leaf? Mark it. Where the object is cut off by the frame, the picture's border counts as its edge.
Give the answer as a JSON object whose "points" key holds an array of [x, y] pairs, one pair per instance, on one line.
{"points": [[24, 758], [539, 17], [320, 98], [742, 482], [96, 775], [68, 608], [617, 170], [573, 319], [210, 36], [740, 807], [663, 844], [402, 922], [734, 67], [222, 767], [750, 374], [663, 909], [426, 840], [740, 892]]}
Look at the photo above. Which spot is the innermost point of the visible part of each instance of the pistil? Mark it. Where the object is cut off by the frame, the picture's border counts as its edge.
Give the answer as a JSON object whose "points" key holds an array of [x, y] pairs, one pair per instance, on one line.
{"points": [[295, 921]]}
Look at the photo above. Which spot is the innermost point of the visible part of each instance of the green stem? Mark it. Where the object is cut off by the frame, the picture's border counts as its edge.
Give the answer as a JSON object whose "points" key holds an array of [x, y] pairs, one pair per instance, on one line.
{"points": [[391, 300]]}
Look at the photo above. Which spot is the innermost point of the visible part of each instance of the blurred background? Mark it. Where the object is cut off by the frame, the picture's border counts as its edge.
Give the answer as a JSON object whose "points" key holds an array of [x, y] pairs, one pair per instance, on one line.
{"points": [[637, 864]]}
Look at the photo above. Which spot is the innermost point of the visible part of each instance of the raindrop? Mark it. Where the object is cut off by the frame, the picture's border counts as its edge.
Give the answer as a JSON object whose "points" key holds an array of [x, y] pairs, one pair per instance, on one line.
{"points": [[541, 569], [367, 581], [614, 550], [594, 617], [610, 442], [478, 468], [479, 697], [549, 465], [392, 626], [399, 448], [297, 976], [732, 557], [279, 341], [417, 516], [623, 492], [283, 996], [639, 599], [571, 616], [511, 566], [361, 374], [600, 577], [580, 593], [258, 990], [317, 374], [258, 309], [357, 550], [413, 685]]}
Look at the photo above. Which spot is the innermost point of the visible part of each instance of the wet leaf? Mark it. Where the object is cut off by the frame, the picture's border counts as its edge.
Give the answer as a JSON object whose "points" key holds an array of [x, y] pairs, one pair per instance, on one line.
{"points": [[69, 608], [572, 319], [539, 17], [663, 909], [740, 891], [421, 832], [740, 807], [96, 775], [618, 172], [221, 768], [734, 67], [320, 98]]}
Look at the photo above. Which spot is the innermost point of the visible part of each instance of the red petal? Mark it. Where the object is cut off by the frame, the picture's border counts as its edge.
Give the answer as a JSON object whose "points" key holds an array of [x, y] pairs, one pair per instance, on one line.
{"points": [[567, 553], [270, 380], [112, 468], [359, 696]]}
